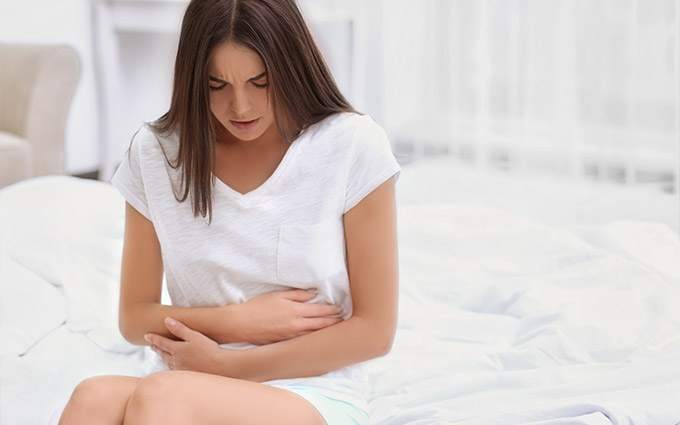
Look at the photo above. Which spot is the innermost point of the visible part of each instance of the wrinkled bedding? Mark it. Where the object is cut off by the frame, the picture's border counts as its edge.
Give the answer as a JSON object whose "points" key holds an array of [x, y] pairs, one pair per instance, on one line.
{"points": [[517, 306]]}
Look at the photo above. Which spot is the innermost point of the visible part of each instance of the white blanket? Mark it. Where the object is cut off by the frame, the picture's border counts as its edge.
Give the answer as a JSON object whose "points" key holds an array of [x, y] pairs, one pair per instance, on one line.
{"points": [[506, 321], [505, 318]]}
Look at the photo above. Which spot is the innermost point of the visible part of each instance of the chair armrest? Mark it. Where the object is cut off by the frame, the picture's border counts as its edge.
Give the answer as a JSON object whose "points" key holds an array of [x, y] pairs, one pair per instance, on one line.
{"points": [[37, 83]]}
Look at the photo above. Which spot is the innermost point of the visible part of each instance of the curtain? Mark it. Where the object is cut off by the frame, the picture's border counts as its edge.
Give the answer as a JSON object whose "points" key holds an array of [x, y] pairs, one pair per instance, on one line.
{"points": [[577, 87]]}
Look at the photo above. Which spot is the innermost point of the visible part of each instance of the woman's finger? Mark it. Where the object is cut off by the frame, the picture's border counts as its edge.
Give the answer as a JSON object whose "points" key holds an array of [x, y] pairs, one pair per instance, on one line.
{"points": [[179, 329], [319, 323], [321, 310], [299, 295], [165, 344], [163, 354]]}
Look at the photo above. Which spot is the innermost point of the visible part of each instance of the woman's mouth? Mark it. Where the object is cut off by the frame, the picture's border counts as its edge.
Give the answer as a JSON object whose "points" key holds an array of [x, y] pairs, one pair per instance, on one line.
{"points": [[244, 125]]}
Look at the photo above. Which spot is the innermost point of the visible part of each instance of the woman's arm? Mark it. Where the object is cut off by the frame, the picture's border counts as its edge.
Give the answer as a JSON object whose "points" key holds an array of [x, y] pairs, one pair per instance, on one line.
{"points": [[371, 240], [372, 257], [264, 319]]}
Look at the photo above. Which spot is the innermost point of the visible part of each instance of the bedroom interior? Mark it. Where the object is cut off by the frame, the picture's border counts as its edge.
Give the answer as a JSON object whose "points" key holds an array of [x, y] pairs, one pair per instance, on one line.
{"points": [[538, 206]]}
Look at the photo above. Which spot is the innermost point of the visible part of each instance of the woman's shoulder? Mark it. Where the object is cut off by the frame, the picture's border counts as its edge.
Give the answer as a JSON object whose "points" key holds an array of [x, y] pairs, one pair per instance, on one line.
{"points": [[342, 124], [347, 119], [149, 131], [149, 141]]}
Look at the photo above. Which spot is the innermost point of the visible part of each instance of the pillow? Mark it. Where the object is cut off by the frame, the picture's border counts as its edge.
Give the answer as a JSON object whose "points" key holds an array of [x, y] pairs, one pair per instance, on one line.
{"points": [[30, 308], [41, 219], [70, 232]]}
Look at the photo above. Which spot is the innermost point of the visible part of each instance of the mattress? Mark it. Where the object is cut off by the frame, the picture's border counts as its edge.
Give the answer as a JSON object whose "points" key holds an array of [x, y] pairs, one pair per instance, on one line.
{"points": [[522, 301]]}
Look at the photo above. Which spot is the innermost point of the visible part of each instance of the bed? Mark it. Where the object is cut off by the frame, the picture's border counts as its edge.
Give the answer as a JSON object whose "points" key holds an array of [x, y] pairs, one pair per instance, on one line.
{"points": [[523, 301]]}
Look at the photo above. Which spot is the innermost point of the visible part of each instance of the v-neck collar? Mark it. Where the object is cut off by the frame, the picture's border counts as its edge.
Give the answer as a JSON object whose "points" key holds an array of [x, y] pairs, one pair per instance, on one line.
{"points": [[228, 190]]}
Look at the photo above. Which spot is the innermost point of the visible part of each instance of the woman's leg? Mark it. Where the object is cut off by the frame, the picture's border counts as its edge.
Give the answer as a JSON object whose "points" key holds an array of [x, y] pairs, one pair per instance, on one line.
{"points": [[99, 401], [186, 398]]}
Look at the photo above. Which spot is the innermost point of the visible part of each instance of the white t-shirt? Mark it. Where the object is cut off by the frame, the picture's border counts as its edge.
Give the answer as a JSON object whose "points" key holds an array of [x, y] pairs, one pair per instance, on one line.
{"points": [[287, 233]]}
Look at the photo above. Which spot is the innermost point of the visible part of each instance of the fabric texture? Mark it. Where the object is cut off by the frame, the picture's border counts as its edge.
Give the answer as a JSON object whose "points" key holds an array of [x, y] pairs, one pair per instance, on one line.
{"points": [[69, 231], [287, 233], [334, 412], [20, 327]]}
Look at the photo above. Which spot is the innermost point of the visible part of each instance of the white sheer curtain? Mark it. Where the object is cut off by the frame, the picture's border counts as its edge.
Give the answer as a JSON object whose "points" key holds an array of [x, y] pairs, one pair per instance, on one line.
{"points": [[580, 87]]}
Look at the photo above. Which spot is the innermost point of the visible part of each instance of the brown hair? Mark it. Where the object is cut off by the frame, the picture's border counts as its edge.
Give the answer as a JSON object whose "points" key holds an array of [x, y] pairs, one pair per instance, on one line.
{"points": [[303, 91]]}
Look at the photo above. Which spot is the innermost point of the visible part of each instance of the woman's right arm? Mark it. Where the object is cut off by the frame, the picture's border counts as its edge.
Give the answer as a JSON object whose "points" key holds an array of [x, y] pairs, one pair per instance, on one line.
{"points": [[265, 319]]}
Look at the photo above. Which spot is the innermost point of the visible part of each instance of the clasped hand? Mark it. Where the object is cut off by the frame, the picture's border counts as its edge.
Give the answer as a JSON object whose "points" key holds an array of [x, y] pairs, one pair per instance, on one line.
{"points": [[265, 319], [193, 351], [282, 315]]}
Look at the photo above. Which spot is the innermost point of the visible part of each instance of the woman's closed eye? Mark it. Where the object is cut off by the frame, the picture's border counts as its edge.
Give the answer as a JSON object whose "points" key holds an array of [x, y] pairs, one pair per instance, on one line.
{"points": [[259, 81], [258, 85]]}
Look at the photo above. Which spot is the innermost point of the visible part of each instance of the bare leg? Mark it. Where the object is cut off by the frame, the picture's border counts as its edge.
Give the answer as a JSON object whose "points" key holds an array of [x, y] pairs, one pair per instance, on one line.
{"points": [[99, 401], [186, 398]]}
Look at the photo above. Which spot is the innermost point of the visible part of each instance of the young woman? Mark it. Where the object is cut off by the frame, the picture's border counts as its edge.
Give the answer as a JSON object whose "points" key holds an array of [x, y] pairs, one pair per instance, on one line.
{"points": [[269, 205]]}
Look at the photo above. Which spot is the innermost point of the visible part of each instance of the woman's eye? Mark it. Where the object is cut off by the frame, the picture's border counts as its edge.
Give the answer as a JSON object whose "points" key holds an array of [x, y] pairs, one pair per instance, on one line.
{"points": [[260, 85], [213, 88]]}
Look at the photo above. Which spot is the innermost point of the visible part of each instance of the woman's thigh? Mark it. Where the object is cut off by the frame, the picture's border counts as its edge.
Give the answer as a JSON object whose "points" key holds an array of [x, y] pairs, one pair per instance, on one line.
{"points": [[99, 401], [184, 397]]}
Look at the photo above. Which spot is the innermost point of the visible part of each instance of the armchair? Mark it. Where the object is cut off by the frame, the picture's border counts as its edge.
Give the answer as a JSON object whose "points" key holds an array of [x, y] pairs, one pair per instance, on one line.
{"points": [[37, 84]]}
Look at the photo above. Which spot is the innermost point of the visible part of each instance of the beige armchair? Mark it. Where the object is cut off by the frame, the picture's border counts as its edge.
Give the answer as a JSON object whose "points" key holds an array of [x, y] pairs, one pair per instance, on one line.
{"points": [[37, 84]]}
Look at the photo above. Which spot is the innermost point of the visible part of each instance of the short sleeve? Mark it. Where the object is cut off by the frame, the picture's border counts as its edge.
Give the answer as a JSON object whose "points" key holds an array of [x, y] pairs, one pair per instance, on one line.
{"points": [[128, 178], [371, 162]]}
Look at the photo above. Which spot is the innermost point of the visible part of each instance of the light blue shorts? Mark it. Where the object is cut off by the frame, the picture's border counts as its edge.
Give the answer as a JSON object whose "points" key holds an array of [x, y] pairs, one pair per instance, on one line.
{"points": [[333, 411]]}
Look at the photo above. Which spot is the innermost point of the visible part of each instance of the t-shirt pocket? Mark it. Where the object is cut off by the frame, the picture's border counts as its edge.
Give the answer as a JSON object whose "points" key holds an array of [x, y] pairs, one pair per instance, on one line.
{"points": [[309, 253]]}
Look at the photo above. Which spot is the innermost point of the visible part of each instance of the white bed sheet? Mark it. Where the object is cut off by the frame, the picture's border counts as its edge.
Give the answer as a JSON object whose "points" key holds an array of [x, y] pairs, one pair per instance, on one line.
{"points": [[36, 386], [523, 324], [551, 200], [519, 305]]}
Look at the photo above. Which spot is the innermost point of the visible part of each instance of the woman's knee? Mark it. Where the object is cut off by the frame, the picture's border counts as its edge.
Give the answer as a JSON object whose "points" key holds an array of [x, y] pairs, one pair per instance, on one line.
{"points": [[99, 400], [155, 388], [91, 393], [154, 397]]}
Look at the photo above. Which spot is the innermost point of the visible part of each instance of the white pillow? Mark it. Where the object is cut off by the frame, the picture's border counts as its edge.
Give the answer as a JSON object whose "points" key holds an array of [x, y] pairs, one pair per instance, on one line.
{"points": [[41, 219], [70, 231], [30, 308]]}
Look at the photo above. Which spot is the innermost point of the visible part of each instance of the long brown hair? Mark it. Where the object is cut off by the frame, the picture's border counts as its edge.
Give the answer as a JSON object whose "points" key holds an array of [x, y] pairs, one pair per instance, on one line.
{"points": [[303, 91]]}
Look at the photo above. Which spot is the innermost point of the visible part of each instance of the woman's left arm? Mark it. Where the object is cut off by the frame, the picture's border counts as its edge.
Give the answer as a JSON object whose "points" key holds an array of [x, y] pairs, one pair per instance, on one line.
{"points": [[372, 260], [372, 264]]}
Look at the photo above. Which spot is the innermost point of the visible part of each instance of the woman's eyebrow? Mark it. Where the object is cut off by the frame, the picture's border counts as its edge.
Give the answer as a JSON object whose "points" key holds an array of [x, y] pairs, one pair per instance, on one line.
{"points": [[257, 77]]}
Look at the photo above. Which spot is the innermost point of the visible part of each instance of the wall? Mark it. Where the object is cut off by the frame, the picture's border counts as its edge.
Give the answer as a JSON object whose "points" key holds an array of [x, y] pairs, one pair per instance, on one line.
{"points": [[583, 88]]}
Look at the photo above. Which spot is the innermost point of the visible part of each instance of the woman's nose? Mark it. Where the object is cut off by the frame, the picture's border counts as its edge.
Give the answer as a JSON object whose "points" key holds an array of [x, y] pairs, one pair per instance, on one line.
{"points": [[240, 104]]}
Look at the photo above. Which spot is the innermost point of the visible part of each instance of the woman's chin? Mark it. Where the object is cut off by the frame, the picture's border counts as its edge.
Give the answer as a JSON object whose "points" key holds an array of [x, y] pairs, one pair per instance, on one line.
{"points": [[245, 137]]}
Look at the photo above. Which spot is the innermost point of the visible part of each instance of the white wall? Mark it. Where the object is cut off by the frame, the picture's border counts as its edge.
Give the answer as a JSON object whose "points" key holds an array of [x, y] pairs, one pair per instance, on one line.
{"points": [[63, 22]]}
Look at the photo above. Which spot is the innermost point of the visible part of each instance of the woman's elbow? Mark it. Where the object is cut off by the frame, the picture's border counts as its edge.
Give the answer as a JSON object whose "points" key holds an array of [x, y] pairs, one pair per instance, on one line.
{"points": [[385, 343], [127, 329], [126, 332], [381, 339]]}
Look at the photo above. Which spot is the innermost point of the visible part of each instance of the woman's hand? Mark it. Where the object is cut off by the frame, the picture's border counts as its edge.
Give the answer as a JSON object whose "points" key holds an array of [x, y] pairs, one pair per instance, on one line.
{"points": [[194, 351], [282, 315]]}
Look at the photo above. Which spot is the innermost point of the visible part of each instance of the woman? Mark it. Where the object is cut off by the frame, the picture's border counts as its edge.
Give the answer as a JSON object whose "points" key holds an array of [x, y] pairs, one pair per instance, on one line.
{"points": [[269, 205]]}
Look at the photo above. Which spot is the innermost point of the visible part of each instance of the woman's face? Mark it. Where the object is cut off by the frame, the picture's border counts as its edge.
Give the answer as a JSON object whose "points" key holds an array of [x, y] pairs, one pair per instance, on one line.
{"points": [[239, 97]]}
